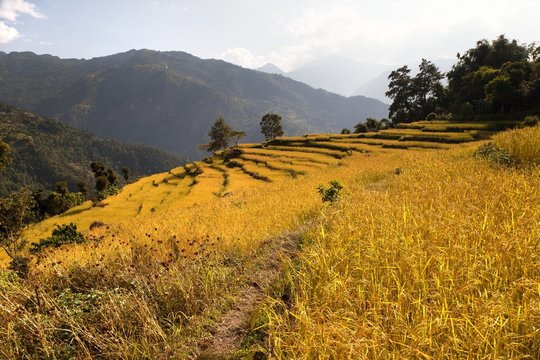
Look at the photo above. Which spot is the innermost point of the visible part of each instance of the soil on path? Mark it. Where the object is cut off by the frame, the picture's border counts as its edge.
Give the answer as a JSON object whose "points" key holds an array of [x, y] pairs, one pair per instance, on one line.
{"points": [[227, 337]]}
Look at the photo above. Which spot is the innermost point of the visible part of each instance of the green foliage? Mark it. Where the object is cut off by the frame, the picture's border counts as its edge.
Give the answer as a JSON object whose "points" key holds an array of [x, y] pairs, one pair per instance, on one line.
{"points": [[385, 124], [360, 128], [20, 265], [61, 235], [106, 180], [237, 135], [101, 183], [496, 77], [531, 121], [56, 203], [271, 126], [77, 303], [125, 173], [62, 188], [331, 192], [372, 124], [496, 155], [432, 116], [4, 154], [15, 214], [83, 187], [345, 131], [44, 151], [220, 135], [414, 97]]}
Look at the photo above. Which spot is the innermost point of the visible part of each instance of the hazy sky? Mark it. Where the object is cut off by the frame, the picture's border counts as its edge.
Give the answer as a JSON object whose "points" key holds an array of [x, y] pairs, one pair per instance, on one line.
{"points": [[253, 32]]}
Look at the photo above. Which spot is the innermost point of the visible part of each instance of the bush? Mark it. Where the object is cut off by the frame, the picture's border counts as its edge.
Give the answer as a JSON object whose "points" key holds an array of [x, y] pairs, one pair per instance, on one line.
{"points": [[531, 121], [495, 154], [233, 164], [63, 234], [331, 193], [432, 116], [345, 131], [360, 128], [447, 116], [19, 265]]}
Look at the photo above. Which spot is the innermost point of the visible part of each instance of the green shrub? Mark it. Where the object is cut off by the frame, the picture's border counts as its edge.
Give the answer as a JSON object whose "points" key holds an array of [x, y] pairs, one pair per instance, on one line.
{"points": [[233, 164], [495, 154], [331, 193], [19, 265], [432, 116], [531, 121], [62, 234]]}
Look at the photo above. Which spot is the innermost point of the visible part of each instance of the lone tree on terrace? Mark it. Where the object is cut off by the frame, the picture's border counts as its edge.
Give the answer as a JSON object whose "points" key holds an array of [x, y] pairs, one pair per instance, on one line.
{"points": [[271, 126], [220, 134]]}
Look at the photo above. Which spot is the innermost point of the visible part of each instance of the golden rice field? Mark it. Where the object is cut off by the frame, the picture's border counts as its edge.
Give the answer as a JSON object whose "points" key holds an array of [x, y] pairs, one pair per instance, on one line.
{"points": [[431, 252]]}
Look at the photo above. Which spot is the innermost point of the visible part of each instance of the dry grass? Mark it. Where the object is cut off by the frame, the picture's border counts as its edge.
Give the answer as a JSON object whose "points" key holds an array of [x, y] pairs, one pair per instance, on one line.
{"points": [[438, 262], [428, 255], [520, 144]]}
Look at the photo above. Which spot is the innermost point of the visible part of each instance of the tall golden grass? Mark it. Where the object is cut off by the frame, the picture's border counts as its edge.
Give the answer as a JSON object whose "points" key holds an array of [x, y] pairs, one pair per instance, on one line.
{"points": [[427, 255], [522, 144], [151, 285], [441, 261]]}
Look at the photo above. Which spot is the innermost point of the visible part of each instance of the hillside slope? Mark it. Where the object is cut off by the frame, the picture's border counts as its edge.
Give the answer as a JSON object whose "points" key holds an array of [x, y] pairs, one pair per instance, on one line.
{"points": [[170, 99], [45, 151], [426, 252]]}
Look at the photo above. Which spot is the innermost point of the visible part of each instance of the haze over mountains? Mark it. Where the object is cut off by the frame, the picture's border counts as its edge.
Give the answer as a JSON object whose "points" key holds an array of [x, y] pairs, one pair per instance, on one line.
{"points": [[170, 99], [349, 77]]}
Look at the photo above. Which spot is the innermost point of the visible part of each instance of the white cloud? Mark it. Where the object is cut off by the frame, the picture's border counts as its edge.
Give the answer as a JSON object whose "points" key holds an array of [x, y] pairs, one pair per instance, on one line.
{"points": [[243, 57], [390, 31], [7, 33], [10, 11]]}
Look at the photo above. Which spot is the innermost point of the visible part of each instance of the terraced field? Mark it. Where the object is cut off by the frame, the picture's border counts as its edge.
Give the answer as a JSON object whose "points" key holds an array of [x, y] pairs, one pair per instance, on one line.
{"points": [[257, 164], [236, 256]]}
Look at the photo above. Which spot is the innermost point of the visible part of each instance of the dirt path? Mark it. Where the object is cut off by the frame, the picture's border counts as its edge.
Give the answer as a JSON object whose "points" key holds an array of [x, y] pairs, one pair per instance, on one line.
{"points": [[234, 325]]}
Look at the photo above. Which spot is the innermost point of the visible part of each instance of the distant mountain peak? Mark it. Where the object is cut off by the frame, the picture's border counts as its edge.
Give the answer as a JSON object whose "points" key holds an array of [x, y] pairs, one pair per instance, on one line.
{"points": [[271, 69]]}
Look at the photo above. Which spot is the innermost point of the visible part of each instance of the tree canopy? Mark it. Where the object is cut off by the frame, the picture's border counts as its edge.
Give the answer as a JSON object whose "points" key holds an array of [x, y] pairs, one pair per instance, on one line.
{"points": [[414, 97], [271, 126], [497, 77], [220, 135]]}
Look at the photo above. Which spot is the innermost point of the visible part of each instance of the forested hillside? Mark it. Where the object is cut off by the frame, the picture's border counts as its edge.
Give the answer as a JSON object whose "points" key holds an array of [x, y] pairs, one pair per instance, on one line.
{"points": [[45, 151], [169, 99]]}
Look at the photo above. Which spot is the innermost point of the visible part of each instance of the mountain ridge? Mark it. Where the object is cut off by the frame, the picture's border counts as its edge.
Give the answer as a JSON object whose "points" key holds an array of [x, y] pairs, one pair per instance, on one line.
{"points": [[169, 99]]}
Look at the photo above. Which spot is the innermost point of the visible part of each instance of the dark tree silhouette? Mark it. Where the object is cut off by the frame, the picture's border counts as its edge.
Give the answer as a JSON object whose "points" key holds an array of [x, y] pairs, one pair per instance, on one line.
{"points": [[271, 126]]}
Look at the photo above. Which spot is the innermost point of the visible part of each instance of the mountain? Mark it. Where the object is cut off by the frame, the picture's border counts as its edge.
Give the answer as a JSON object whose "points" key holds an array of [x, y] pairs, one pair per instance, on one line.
{"points": [[45, 151], [170, 99], [376, 87], [337, 74], [270, 68]]}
